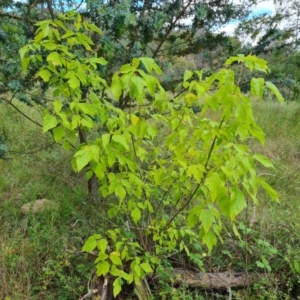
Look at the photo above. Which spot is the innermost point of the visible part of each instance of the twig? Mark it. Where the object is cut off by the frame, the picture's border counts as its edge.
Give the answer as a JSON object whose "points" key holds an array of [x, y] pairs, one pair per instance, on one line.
{"points": [[169, 30], [90, 294], [75, 10], [83, 221], [35, 151], [104, 289], [18, 110], [199, 185]]}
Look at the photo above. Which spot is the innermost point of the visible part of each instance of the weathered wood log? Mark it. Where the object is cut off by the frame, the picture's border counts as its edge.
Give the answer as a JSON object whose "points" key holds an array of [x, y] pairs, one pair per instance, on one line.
{"points": [[223, 280]]}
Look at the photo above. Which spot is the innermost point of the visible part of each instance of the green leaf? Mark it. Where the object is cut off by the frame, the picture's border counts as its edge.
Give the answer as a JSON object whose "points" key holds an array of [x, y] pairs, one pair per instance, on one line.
{"points": [[235, 231], [88, 175], [74, 82], [87, 108], [87, 123], [233, 59], [136, 214], [266, 263], [50, 45], [137, 270], [117, 286], [76, 119], [94, 28], [23, 51], [82, 158], [49, 122], [115, 271], [150, 65], [127, 68], [237, 202], [296, 266], [139, 83], [55, 58], [116, 86], [94, 152], [275, 91], [59, 133], [57, 105], [207, 217], [187, 75], [115, 258], [101, 257], [25, 63], [102, 268], [111, 158], [68, 34], [210, 240], [120, 192], [272, 193], [98, 60], [146, 267], [193, 220], [151, 82], [105, 140], [214, 182], [91, 243], [260, 264], [263, 160], [121, 140], [78, 18], [102, 245], [257, 87], [99, 169], [224, 204], [127, 277]]}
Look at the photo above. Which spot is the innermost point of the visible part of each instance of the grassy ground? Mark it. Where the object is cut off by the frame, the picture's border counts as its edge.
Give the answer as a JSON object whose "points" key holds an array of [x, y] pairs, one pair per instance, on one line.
{"points": [[40, 255]]}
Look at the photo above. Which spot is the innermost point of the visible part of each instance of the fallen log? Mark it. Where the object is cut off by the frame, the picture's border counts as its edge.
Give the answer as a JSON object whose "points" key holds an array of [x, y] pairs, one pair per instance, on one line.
{"points": [[222, 280]]}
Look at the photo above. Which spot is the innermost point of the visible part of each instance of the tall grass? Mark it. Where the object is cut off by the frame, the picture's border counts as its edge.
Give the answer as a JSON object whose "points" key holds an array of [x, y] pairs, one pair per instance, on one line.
{"points": [[38, 253]]}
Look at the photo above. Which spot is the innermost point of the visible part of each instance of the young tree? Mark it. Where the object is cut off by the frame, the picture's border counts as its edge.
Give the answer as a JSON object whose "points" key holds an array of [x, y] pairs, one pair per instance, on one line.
{"points": [[167, 176]]}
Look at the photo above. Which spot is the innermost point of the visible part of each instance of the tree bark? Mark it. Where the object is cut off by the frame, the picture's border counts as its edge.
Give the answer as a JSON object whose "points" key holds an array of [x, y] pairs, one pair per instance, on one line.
{"points": [[223, 280]]}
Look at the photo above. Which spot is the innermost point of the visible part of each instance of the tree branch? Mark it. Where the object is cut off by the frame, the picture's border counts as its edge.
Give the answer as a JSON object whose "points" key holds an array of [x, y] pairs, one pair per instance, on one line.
{"points": [[18, 110], [198, 186], [50, 8], [173, 23], [15, 17], [35, 151]]}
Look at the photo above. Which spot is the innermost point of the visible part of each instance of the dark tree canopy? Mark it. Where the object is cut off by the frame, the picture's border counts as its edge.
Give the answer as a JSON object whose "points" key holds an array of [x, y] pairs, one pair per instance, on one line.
{"points": [[163, 30]]}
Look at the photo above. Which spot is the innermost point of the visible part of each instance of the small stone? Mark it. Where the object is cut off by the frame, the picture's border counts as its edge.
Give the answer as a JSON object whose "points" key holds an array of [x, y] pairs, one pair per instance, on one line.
{"points": [[39, 205]]}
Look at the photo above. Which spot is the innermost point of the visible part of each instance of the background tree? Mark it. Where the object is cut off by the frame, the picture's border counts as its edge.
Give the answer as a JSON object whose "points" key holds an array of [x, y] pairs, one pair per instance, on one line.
{"points": [[158, 29], [276, 38]]}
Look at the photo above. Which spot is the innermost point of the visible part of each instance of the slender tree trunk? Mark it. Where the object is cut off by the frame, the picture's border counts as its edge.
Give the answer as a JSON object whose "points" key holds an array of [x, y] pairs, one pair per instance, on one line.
{"points": [[92, 184]]}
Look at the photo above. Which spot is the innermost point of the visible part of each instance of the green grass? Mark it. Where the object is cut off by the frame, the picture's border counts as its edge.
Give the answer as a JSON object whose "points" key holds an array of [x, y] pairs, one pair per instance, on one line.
{"points": [[40, 255]]}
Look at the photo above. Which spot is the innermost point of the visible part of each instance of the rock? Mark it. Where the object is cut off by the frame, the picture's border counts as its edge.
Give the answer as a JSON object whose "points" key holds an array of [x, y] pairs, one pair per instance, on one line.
{"points": [[39, 205]]}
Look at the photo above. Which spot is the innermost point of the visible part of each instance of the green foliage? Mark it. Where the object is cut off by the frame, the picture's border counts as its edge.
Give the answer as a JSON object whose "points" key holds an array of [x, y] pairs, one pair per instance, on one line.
{"points": [[132, 29], [171, 173]]}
